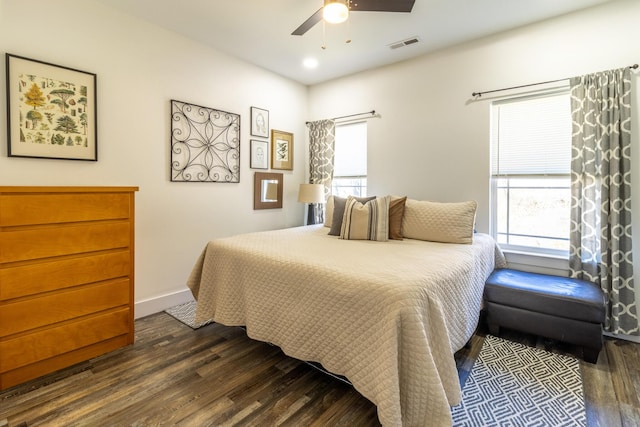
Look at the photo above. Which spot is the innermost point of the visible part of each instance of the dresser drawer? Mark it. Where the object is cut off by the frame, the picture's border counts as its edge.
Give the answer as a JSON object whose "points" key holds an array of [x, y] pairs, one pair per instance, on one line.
{"points": [[37, 369], [49, 309], [33, 278], [19, 245], [33, 209], [68, 336]]}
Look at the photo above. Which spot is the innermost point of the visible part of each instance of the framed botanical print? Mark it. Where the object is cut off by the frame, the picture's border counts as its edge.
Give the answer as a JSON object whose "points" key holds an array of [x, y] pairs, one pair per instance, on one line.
{"points": [[281, 150], [259, 122], [51, 111]]}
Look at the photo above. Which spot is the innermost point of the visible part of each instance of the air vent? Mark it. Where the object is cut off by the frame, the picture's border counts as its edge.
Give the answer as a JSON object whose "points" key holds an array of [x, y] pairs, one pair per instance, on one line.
{"points": [[403, 43]]}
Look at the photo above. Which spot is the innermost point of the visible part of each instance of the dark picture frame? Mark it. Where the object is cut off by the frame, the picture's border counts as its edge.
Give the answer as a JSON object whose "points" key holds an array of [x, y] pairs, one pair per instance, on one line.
{"points": [[205, 144], [281, 150], [267, 190], [51, 110], [259, 154], [259, 122]]}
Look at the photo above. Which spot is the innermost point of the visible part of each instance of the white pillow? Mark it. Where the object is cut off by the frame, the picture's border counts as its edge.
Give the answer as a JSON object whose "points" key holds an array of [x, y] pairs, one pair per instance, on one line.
{"points": [[439, 222], [328, 212]]}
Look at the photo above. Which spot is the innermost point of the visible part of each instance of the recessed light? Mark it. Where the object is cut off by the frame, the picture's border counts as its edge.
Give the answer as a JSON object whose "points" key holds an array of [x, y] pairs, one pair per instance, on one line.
{"points": [[310, 63]]}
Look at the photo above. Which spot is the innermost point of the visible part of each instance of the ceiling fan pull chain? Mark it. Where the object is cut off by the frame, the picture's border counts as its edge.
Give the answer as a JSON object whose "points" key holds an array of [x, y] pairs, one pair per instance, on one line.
{"points": [[348, 40], [324, 45]]}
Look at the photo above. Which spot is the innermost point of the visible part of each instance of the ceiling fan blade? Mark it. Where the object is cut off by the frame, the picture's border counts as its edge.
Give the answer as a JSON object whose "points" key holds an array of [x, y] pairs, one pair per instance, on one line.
{"points": [[306, 25], [382, 5], [362, 6]]}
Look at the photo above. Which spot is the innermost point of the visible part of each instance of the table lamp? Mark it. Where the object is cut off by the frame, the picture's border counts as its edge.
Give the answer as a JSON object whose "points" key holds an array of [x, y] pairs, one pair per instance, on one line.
{"points": [[311, 193]]}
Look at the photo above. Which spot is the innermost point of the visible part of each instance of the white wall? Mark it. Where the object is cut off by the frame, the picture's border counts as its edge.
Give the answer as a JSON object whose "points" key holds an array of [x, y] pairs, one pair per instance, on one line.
{"points": [[139, 68], [432, 140]]}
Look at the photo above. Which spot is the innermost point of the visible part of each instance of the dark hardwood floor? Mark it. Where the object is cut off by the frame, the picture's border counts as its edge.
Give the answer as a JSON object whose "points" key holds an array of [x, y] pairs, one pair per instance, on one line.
{"points": [[217, 376]]}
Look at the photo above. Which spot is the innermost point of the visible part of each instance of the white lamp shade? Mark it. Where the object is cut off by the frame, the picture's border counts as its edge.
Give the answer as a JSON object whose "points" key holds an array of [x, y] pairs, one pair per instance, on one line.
{"points": [[335, 12], [311, 193]]}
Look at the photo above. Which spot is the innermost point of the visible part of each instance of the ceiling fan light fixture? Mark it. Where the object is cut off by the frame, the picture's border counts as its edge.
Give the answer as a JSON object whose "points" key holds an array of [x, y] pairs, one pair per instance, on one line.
{"points": [[335, 12]]}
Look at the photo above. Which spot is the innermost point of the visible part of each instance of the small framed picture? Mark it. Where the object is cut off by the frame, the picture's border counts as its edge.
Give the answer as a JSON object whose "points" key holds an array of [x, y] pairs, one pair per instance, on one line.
{"points": [[259, 154], [259, 122], [267, 190], [51, 111], [281, 150]]}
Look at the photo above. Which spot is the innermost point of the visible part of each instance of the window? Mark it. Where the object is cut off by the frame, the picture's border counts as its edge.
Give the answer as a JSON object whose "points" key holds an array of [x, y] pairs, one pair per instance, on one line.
{"points": [[350, 160], [530, 173]]}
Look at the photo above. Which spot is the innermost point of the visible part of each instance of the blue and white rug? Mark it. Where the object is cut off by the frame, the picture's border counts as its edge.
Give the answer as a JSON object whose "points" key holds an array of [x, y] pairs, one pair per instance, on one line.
{"points": [[186, 313], [512, 384]]}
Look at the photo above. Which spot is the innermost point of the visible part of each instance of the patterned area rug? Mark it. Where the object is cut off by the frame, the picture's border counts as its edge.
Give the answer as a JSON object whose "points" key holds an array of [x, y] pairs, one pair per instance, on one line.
{"points": [[511, 384], [515, 385], [186, 313]]}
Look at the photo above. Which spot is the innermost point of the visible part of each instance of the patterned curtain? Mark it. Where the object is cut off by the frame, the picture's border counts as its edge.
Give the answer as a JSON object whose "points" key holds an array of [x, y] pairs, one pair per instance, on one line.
{"points": [[321, 151], [600, 237]]}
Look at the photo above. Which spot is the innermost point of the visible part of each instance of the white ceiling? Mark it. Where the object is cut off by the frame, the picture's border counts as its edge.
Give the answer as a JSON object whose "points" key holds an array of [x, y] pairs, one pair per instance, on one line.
{"points": [[259, 31]]}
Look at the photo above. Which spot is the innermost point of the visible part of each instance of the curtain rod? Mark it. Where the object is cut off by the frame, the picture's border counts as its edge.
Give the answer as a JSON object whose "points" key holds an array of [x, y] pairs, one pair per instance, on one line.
{"points": [[479, 94], [372, 112]]}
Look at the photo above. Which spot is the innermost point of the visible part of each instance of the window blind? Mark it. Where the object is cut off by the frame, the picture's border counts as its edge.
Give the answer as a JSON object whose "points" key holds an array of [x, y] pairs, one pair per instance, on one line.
{"points": [[531, 136], [350, 150]]}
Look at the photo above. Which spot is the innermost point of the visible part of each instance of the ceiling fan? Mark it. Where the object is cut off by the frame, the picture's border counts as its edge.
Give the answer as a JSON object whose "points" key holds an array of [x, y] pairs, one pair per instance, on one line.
{"points": [[344, 7]]}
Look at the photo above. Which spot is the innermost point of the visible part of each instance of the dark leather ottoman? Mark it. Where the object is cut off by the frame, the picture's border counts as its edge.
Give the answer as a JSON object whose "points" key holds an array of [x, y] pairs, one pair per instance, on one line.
{"points": [[559, 308]]}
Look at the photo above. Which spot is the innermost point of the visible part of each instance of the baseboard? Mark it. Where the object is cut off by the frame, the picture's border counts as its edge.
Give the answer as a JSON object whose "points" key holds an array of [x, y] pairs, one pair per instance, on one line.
{"points": [[631, 338], [157, 304]]}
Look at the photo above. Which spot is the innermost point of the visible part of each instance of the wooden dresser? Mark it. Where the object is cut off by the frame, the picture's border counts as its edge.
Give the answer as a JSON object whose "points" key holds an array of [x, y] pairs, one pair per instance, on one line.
{"points": [[66, 277]]}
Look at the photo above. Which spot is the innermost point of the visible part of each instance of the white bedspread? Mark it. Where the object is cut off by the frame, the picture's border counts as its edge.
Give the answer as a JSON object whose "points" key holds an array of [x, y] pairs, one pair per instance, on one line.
{"points": [[387, 315]]}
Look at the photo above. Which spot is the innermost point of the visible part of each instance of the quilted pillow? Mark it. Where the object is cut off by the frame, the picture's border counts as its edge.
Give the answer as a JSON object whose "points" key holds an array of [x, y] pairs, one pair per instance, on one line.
{"points": [[396, 213], [439, 222], [338, 212], [368, 221]]}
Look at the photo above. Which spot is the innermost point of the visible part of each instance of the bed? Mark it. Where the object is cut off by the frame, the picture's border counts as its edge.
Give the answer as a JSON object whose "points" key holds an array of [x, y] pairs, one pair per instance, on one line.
{"points": [[388, 316]]}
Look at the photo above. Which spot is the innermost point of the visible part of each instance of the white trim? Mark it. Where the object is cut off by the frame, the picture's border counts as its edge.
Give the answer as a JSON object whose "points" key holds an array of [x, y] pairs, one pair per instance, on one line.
{"points": [[157, 304], [535, 251], [623, 337], [537, 263]]}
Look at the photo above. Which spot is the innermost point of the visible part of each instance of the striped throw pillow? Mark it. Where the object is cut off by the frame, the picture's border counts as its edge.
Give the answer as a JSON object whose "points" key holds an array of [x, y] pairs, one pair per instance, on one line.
{"points": [[366, 221]]}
